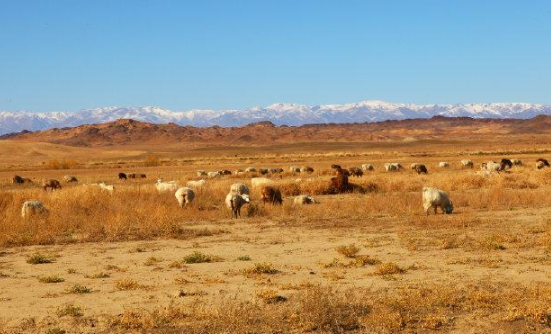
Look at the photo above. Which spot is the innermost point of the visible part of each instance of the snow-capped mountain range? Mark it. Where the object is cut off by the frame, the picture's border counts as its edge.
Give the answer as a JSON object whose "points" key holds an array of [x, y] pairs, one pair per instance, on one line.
{"points": [[279, 114]]}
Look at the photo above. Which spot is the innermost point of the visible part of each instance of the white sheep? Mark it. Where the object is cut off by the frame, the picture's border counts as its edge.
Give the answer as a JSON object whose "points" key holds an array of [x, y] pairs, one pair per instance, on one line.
{"points": [[163, 187], [434, 198], [294, 169], [185, 196], [250, 170], [213, 175], [304, 199], [234, 202], [443, 164], [201, 173], [367, 167], [106, 187], [32, 208], [467, 163], [491, 166], [257, 182], [240, 189], [70, 178], [196, 184], [393, 166]]}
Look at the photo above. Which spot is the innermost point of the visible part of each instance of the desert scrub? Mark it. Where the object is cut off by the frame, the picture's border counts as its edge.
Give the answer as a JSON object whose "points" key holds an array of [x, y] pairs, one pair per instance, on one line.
{"points": [[389, 268], [77, 288], [129, 284], [349, 251], [51, 279], [69, 310], [100, 274], [198, 257], [39, 258], [270, 296], [260, 268], [244, 258]]}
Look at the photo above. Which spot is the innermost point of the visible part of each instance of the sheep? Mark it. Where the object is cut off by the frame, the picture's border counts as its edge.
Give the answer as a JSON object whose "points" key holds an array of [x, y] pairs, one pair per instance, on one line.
{"points": [[52, 184], [421, 169], [368, 167], [443, 164], [166, 186], [240, 189], [250, 170], [467, 163], [306, 169], [491, 166], [355, 171], [340, 182], [234, 202], [239, 172], [106, 187], [263, 171], [276, 170], [122, 176], [136, 176], [393, 167], [260, 181], [334, 166], [201, 173], [196, 184], [434, 198], [304, 199], [224, 172], [185, 196], [516, 162], [542, 163], [213, 175], [506, 164], [70, 179], [413, 165], [271, 194], [32, 208], [20, 180], [294, 169]]}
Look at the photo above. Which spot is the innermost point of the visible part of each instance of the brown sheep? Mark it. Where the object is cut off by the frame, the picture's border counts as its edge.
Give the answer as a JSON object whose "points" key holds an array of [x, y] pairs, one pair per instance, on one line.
{"points": [[20, 180], [421, 169], [122, 176], [355, 171], [340, 182], [271, 194], [52, 184]]}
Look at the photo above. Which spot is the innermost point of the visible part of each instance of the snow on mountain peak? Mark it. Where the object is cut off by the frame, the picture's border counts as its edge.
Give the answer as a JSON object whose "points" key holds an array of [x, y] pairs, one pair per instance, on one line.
{"points": [[277, 113]]}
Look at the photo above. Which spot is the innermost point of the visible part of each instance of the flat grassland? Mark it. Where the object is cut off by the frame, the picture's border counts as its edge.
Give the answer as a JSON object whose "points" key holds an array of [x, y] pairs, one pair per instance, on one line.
{"points": [[370, 261]]}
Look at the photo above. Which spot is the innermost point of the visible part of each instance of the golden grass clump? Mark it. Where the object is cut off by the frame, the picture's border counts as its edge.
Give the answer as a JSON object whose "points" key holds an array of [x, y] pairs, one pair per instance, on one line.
{"points": [[349, 251]]}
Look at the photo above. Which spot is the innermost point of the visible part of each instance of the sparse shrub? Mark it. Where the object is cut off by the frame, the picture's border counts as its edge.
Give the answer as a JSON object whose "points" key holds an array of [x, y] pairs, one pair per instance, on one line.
{"points": [[55, 330], [51, 279], [243, 258], [389, 268], [100, 274], [270, 296], [260, 268], [349, 251], [70, 310], [77, 288], [38, 258], [127, 284], [198, 257]]}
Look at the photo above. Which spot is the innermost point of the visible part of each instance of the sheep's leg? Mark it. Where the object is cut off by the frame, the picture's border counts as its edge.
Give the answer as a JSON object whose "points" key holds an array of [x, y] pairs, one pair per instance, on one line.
{"points": [[435, 209]]}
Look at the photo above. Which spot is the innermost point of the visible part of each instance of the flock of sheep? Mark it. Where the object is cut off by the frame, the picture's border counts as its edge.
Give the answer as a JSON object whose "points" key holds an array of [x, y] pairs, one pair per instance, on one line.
{"points": [[239, 193]]}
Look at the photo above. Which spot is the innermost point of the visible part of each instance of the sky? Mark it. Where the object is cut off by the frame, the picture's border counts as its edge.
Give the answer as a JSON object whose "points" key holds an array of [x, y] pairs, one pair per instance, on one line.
{"points": [[64, 55]]}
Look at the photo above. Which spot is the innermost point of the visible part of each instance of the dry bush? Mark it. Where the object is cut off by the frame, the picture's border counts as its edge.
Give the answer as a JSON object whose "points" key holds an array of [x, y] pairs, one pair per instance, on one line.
{"points": [[349, 251]]}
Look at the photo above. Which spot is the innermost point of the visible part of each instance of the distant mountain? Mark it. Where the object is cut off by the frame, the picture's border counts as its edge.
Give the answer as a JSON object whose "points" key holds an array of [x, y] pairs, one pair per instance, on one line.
{"points": [[130, 132], [278, 114]]}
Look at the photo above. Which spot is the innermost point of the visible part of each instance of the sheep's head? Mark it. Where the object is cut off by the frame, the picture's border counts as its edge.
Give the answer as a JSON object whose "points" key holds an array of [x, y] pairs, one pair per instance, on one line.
{"points": [[448, 208], [246, 198]]}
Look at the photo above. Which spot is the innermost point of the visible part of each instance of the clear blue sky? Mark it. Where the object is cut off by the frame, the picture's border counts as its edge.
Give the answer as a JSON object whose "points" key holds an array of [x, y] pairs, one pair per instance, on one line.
{"points": [[74, 54]]}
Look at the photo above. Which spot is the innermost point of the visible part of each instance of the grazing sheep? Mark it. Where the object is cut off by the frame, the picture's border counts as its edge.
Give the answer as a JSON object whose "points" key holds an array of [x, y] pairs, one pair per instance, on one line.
{"points": [[413, 165], [434, 198], [234, 202], [52, 184], [506, 164], [224, 172], [239, 172], [340, 182], [184, 196], [163, 187], [250, 170], [334, 166], [263, 171], [516, 162], [306, 169], [32, 208], [368, 167], [276, 170], [196, 184], [542, 163], [355, 171], [106, 187], [20, 180], [257, 182], [294, 169], [122, 176], [213, 175], [136, 176], [491, 166], [421, 169], [240, 189], [443, 164], [393, 167], [271, 194], [467, 163], [201, 173], [304, 199], [70, 178]]}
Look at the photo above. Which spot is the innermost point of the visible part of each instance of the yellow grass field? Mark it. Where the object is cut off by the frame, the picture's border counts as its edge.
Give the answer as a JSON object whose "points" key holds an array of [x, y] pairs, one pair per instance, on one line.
{"points": [[370, 261]]}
